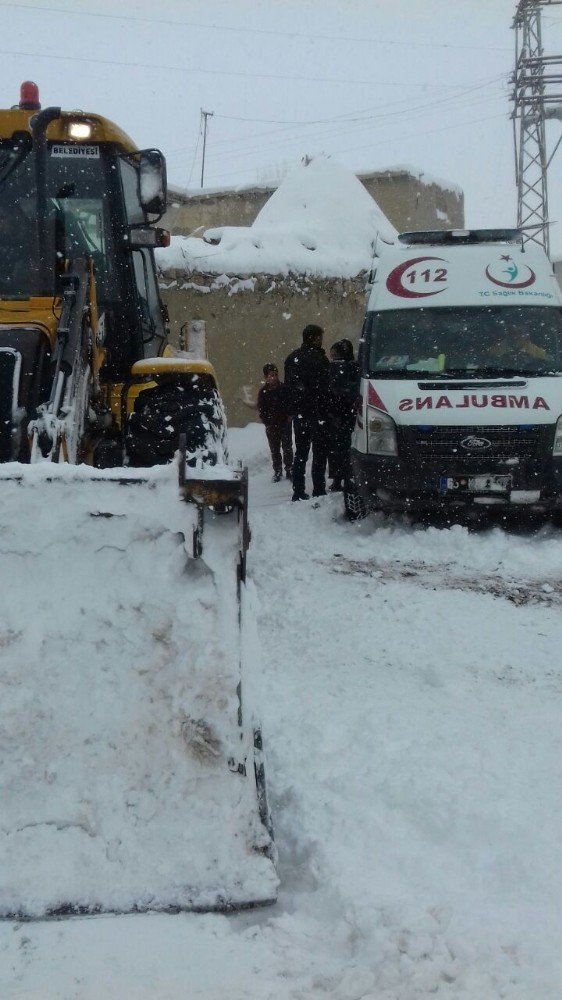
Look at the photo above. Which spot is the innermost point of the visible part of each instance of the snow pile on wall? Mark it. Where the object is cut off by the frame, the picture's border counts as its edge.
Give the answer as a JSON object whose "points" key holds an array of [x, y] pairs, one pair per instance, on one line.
{"points": [[320, 222]]}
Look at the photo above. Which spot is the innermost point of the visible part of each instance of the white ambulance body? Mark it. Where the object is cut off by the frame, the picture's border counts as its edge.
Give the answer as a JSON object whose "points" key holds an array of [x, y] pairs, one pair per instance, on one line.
{"points": [[461, 376]]}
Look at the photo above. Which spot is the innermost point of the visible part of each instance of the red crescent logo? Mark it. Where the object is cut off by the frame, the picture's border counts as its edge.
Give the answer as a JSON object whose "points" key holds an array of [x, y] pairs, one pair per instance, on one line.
{"points": [[394, 280], [513, 284]]}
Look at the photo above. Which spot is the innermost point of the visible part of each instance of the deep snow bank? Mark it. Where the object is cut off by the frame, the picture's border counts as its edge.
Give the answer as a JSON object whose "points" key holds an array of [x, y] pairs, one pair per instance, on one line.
{"points": [[118, 710]]}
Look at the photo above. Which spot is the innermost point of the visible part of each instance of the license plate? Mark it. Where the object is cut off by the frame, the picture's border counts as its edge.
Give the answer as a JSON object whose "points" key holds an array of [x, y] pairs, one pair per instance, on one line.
{"points": [[475, 484]]}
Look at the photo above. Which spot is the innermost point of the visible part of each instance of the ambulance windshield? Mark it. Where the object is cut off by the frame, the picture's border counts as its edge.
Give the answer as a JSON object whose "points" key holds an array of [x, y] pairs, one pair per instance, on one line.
{"points": [[481, 341]]}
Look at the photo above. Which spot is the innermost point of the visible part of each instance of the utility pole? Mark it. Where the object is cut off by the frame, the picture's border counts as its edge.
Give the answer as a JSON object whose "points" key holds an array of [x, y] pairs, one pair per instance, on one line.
{"points": [[205, 115], [536, 97]]}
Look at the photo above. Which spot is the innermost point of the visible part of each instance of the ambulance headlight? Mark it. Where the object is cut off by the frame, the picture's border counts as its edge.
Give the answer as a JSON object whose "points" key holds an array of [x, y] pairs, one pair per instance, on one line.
{"points": [[381, 433], [557, 447]]}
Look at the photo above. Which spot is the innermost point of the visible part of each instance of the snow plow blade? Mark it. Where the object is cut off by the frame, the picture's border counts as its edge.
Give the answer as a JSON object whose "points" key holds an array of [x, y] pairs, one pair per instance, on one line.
{"points": [[131, 774], [223, 491]]}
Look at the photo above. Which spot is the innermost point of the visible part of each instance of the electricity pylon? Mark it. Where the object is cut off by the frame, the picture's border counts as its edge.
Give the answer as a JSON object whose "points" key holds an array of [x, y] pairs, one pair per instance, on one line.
{"points": [[536, 97]]}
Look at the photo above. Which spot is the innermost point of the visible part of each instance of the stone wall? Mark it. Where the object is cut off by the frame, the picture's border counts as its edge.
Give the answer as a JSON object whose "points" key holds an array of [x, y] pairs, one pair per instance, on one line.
{"points": [[407, 200], [188, 214], [250, 322], [411, 203]]}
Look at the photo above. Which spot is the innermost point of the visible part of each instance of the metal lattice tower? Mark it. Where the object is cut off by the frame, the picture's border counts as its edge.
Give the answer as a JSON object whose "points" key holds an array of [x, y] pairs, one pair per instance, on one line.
{"points": [[536, 97]]}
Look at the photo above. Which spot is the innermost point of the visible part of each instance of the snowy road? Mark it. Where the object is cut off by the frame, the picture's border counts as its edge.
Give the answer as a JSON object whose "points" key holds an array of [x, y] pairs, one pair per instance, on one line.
{"points": [[411, 696]]}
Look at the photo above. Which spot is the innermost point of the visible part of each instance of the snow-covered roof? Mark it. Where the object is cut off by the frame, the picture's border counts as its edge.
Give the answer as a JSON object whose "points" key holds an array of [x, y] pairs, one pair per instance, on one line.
{"points": [[182, 195], [320, 222]]}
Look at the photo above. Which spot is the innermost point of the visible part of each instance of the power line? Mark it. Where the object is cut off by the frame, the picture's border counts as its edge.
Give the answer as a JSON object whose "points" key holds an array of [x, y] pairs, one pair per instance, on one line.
{"points": [[391, 139], [344, 118], [319, 136], [212, 72], [250, 31], [328, 121], [402, 114], [325, 137], [316, 148], [363, 115], [433, 131]]}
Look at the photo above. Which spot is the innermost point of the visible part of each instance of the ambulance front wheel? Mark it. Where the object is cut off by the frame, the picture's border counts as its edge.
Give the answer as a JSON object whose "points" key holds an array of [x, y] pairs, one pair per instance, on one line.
{"points": [[355, 506]]}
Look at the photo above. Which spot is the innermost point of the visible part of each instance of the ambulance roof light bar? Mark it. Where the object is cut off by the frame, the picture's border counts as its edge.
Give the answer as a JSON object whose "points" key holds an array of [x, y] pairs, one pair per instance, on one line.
{"points": [[451, 237]]}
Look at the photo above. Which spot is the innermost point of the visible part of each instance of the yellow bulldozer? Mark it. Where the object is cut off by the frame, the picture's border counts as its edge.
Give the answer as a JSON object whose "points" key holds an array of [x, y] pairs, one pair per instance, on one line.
{"points": [[131, 774], [86, 370]]}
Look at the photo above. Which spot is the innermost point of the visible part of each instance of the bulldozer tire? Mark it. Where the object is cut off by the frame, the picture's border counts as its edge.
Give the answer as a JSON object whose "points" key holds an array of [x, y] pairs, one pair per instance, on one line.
{"points": [[162, 414]]}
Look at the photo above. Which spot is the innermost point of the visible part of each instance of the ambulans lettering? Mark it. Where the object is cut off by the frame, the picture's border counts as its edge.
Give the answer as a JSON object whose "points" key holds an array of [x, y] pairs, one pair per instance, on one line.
{"points": [[476, 401]]}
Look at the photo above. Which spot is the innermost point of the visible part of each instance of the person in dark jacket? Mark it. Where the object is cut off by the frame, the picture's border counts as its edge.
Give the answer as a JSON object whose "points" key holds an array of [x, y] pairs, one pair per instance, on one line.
{"points": [[306, 378], [344, 387], [273, 408]]}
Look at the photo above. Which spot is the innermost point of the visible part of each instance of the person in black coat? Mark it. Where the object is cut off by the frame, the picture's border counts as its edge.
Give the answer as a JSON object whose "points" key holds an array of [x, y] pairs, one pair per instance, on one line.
{"points": [[273, 408], [344, 388], [306, 377]]}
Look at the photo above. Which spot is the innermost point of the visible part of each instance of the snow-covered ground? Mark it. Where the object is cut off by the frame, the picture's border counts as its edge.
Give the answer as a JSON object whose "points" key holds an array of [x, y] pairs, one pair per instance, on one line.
{"points": [[410, 692], [119, 667]]}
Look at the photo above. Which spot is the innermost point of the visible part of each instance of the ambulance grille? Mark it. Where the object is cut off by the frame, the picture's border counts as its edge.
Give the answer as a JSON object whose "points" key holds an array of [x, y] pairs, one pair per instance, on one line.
{"points": [[498, 442]]}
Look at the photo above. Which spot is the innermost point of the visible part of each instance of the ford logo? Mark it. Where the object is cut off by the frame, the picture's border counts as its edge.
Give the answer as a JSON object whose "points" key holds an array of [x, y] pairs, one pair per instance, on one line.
{"points": [[474, 443]]}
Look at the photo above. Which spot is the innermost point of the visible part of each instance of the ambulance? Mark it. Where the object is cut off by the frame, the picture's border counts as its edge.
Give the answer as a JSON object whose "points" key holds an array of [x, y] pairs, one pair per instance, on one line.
{"points": [[461, 377]]}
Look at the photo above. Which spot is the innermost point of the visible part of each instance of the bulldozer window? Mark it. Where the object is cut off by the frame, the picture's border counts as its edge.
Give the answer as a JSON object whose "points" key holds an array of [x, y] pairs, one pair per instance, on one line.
{"points": [[12, 153], [19, 248], [82, 229], [148, 302], [79, 210], [78, 220]]}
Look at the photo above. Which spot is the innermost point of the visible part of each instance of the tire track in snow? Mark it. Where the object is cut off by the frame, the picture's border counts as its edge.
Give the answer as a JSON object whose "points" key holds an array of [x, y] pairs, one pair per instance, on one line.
{"points": [[518, 592]]}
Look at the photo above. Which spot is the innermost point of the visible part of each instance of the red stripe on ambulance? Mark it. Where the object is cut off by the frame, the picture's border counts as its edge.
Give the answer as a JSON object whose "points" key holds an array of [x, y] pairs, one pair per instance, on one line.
{"points": [[373, 399]]}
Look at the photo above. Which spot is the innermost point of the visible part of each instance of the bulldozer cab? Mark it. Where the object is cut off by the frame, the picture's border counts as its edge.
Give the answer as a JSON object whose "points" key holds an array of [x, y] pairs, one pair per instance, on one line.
{"points": [[84, 352], [62, 200]]}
